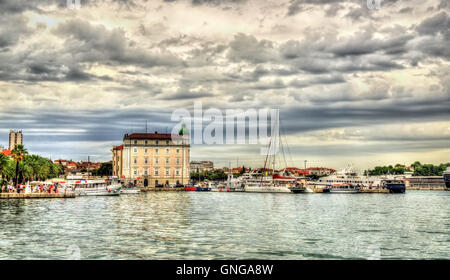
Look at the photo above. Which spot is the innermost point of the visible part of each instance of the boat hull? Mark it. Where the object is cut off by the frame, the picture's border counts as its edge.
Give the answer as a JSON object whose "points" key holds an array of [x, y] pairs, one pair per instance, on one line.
{"points": [[130, 191], [447, 180], [267, 189], [349, 191], [113, 191], [298, 190], [396, 188]]}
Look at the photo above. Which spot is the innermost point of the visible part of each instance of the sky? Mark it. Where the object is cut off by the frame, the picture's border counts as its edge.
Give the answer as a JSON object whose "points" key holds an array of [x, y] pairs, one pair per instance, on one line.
{"points": [[353, 85]]}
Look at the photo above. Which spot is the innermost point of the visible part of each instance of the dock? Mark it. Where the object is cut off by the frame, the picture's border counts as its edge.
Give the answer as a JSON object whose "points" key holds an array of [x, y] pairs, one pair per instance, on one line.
{"points": [[374, 190], [35, 195], [153, 189]]}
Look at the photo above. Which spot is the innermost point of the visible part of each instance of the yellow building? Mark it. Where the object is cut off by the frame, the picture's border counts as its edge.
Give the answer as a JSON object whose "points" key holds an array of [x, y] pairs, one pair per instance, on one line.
{"points": [[153, 158], [15, 138]]}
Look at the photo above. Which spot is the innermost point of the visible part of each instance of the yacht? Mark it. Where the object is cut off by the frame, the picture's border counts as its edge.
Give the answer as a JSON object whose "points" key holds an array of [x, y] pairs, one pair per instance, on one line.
{"points": [[348, 176], [97, 187], [275, 184], [447, 178]]}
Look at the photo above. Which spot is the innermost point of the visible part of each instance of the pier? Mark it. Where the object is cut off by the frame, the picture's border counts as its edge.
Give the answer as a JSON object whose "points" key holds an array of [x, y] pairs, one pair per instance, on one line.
{"points": [[35, 195], [153, 189]]}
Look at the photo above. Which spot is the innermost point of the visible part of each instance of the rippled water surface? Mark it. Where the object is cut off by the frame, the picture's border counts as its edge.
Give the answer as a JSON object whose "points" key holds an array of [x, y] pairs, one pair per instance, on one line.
{"points": [[179, 225]]}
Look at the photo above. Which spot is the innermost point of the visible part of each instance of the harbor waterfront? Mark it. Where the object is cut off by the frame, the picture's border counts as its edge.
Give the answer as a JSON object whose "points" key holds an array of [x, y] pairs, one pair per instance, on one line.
{"points": [[214, 225]]}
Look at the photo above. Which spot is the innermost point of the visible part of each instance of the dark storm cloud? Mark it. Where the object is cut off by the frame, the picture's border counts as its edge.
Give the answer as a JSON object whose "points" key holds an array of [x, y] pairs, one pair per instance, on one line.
{"points": [[95, 43]]}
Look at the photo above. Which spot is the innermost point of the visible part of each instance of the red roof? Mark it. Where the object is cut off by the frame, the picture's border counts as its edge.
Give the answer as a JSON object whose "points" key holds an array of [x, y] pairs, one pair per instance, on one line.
{"points": [[6, 152], [118, 148], [155, 135]]}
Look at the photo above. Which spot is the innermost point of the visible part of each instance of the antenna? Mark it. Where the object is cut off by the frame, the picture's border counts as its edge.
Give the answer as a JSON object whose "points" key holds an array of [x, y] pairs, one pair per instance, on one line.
{"points": [[145, 126]]}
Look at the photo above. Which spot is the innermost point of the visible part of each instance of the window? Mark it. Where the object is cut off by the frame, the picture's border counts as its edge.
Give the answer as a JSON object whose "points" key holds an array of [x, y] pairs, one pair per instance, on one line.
{"points": [[167, 172], [146, 172], [156, 161], [135, 172], [178, 161], [146, 150], [157, 142], [167, 142], [156, 172], [167, 160], [177, 172], [135, 141], [178, 151], [135, 150], [146, 142], [146, 160], [167, 151], [156, 151], [135, 160]]}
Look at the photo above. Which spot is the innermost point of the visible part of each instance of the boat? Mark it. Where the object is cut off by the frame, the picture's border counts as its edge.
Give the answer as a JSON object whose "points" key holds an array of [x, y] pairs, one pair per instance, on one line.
{"points": [[394, 185], [349, 176], [96, 187], [196, 188], [264, 184], [447, 178], [279, 182], [343, 188]]}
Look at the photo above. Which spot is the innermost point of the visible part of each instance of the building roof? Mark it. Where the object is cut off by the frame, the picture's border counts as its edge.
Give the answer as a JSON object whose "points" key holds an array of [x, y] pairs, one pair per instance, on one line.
{"points": [[118, 148], [155, 135]]}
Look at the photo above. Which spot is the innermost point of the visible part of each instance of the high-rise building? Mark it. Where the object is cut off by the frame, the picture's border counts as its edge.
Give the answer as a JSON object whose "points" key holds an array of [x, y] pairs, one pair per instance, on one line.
{"points": [[15, 138], [156, 158]]}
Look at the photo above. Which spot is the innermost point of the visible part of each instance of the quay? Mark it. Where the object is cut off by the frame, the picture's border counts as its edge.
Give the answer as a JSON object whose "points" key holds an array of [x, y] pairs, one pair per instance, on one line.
{"points": [[426, 188], [35, 195], [373, 190], [153, 189]]}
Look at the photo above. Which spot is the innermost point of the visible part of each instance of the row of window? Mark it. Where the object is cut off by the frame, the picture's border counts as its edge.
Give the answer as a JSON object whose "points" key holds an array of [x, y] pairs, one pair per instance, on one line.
{"points": [[135, 150], [178, 160], [157, 173]]}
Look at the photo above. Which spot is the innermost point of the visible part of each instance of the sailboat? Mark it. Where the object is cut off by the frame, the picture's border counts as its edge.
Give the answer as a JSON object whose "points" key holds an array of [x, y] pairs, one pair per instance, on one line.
{"points": [[277, 183]]}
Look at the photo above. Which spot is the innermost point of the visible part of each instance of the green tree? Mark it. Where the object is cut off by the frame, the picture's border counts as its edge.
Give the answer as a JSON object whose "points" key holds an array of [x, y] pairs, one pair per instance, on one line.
{"points": [[18, 154]]}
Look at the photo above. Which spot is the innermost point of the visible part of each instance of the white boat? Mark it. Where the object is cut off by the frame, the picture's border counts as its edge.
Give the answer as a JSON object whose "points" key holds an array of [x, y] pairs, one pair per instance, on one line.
{"points": [[263, 184], [97, 187], [344, 188], [395, 184]]}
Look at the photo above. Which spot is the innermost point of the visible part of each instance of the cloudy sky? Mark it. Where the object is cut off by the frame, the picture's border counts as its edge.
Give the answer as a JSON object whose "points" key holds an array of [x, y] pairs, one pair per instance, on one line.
{"points": [[353, 85]]}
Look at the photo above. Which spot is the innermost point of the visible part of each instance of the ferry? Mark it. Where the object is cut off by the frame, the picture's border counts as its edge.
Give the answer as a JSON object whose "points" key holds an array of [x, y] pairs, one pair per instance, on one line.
{"points": [[348, 176], [447, 178], [343, 188], [96, 187]]}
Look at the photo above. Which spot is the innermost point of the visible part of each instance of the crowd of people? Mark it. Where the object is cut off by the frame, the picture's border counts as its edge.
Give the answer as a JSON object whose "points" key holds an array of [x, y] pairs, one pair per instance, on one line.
{"points": [[43, 188]]}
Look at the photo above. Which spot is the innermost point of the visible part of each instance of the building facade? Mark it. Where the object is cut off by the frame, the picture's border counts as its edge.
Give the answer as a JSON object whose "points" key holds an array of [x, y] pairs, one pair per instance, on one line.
{"points": [[152, 159], [200, 166], [15, 138], [117, 160]]}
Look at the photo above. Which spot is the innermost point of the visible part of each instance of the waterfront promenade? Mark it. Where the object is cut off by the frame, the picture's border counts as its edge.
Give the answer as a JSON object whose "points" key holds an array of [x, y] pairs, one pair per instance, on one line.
{"points": [[35, 195]]}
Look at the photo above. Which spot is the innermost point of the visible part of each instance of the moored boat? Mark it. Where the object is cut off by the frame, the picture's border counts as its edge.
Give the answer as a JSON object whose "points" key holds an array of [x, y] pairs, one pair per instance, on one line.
{"points": [[97, 187], [447, 178], [343, 188]]}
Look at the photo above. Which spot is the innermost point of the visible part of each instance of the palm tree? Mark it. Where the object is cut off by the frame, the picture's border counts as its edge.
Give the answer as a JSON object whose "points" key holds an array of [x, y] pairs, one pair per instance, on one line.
{"points": [[3, 165], [18, 154]]}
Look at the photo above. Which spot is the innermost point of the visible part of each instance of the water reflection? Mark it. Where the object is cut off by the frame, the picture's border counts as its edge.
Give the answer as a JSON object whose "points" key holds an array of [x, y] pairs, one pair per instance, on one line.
{"points": [[179, 225]]}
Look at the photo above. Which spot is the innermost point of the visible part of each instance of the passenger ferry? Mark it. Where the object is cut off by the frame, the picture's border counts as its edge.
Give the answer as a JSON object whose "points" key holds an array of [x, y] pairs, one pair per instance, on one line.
{"points": [[447, 178], [348, 176], [343, 188], [96, 187]]}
